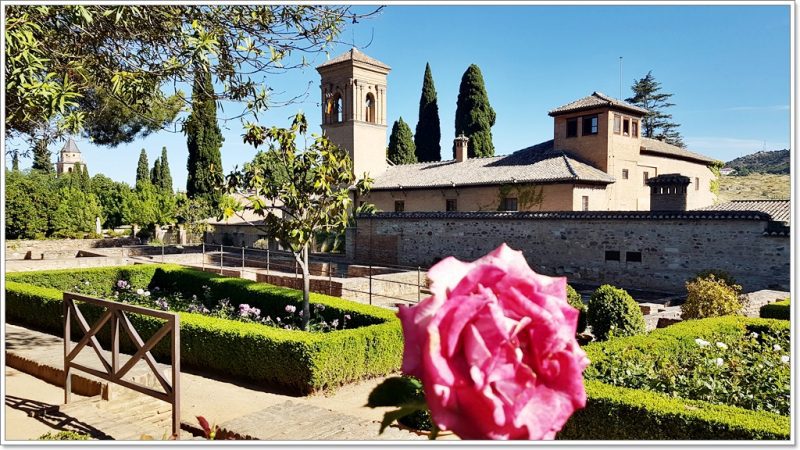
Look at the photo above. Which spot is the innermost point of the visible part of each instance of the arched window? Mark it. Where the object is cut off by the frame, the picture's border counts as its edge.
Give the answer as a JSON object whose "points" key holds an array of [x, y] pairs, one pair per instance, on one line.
{"points": [[369, 108], [69, 169], [333, 109], [339, 109]]}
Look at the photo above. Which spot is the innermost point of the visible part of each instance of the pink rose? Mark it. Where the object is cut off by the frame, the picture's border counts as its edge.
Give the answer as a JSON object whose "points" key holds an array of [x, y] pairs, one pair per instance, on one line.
{"points": [[495, 349]]}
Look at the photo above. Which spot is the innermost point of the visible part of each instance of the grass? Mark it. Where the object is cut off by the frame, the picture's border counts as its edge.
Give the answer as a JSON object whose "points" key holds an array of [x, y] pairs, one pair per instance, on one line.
{"points": [[755, 186]]}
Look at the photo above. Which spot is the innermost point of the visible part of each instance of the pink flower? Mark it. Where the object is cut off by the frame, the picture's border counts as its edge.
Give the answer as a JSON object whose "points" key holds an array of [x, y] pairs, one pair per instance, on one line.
{"points": [[495, 349]]}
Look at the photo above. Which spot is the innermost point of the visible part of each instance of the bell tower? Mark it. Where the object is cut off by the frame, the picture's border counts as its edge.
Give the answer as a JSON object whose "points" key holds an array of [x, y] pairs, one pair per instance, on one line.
{"points": [[353, 88]]}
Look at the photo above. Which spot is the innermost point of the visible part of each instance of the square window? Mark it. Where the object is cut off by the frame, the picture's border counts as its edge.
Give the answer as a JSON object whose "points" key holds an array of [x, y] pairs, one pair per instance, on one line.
{"points": [[696, 183], [633, 257], [585, 203], [589, 125], [510, 204], [624, 174], [626, 127], [645, 177], [617, 123], [399, 206], [451, 205], [635, 128], [572, 127], [612, 255]]}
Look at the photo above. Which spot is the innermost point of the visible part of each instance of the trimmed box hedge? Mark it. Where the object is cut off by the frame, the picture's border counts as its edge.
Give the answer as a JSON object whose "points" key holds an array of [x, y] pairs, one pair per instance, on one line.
{"points": [[614, 412], [778, 310], [302, 362]]}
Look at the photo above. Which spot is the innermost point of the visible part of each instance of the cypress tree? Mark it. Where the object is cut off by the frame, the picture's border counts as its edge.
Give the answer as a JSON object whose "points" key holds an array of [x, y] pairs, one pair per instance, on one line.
{"points": [[155, 174], [203, 139], [474, 115], [85, 181], [41, 157], [142, 168], [15, 161], [428, 133], [401, 144], [166, 176]]}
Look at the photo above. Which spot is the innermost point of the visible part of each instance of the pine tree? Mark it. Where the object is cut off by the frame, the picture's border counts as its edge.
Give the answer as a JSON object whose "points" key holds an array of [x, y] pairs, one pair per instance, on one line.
{"points": [[474, 115], [15, 160], [401, 144], [85, 180], [155, 174], [203, 139], [428, 133], [166, 176], [656, 124], [41, 157], [142, 168]]}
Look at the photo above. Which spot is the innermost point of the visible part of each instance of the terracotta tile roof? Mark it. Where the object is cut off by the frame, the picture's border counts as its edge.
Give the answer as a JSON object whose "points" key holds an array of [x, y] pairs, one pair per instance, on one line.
{"points": [[354, 55], [596, 100], [577, 215], [664, 149], [778, 210], [536, 164]]}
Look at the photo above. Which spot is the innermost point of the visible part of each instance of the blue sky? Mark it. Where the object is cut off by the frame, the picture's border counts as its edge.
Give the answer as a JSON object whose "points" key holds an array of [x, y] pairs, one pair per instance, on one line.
{"points": [[727, 66]]}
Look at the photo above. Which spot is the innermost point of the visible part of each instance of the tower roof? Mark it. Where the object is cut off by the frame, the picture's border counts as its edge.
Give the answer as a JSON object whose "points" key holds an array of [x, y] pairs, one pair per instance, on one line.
{"points": [[354, 55], [596, 100], [70, 147]]}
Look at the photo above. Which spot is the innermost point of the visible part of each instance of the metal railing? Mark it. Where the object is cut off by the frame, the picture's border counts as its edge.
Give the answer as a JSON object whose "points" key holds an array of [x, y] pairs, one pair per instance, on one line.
{"points": [[385, 283], [117, 313]]}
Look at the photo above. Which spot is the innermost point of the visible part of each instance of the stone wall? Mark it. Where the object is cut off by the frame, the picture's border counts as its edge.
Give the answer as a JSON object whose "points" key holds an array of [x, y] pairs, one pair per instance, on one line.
{"points": [[39, 249], [25, 265], [670, 247]]}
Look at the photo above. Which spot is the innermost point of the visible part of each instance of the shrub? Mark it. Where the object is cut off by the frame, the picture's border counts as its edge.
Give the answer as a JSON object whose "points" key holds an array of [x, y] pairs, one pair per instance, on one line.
{"points": [[710, 297], [575, 300], [778, 310], [718, 274], [613, 312], [615, 412], [64, 436], [302, 362]]}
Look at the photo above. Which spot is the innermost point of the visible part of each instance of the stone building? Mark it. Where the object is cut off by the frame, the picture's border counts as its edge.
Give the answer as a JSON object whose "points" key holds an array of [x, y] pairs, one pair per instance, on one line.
{"points": [[69, 157], [596, 161]]}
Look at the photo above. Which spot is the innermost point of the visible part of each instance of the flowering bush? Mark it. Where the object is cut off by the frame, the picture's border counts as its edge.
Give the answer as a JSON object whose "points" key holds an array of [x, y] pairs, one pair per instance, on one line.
{"points": [[750, 371], [495, 350]]}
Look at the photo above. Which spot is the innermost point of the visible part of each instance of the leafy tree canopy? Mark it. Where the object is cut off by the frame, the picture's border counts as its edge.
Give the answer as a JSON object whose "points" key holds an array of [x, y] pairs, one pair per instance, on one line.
{"points": [[401, 144], [656, 124]]}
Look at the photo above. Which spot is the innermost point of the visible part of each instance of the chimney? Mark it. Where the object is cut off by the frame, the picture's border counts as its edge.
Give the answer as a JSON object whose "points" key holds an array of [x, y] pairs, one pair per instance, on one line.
{"points": [[461, 147], [668, 192]]}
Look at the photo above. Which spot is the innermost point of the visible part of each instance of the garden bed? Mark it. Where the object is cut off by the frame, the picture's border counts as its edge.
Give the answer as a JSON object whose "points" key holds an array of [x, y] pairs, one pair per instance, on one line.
{"points": [[303, 362], [721, 379]]}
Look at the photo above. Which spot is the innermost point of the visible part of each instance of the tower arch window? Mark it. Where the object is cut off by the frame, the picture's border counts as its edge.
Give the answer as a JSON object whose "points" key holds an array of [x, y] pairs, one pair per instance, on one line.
{"points": [[369, 108], [333, 110]]}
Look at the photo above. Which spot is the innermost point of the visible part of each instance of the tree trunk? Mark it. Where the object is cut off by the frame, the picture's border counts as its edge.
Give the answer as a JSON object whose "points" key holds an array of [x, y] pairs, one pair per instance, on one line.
{"points": [[306, 286]]}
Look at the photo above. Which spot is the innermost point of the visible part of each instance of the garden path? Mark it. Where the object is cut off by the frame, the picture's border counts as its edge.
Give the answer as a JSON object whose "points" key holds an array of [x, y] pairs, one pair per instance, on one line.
{"points": [[239, 405]]}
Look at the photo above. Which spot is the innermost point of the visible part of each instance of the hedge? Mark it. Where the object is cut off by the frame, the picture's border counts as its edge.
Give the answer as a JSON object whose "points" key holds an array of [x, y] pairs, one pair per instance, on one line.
{"points": [[301, 362], [614, 412], [778, 310]]}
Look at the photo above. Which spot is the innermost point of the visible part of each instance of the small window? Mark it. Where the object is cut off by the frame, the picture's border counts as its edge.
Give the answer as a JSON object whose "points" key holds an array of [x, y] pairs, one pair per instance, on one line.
{"points": [[696, 183], [635, 128], [624, 174], [369, 106], [451, 205], [572, 128], [585, 203], [589, 125], [399, 206], [510, 204], [612, 255], [617, 123], [626, 127], [645, 177], [633, 257]]}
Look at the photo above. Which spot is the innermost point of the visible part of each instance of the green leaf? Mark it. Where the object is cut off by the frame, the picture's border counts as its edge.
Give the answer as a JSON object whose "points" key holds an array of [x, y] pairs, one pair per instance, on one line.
{"points": [[396, 391]]}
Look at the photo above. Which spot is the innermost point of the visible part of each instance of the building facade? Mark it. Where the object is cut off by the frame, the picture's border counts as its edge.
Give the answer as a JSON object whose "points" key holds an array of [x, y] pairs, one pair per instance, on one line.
{"points": [[68, 158], [596, 161]]}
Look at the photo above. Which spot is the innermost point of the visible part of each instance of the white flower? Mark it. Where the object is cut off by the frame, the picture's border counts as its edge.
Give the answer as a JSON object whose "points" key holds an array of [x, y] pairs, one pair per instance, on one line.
{"points": [[754, 335], [140, 291], [718, 362], [147, 293], [701, 342], [777, 347], [785, 359], [722, 345]]}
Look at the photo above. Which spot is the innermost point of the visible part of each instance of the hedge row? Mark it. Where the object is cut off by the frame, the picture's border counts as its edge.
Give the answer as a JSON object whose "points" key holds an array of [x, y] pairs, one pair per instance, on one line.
{"points": [[614, 412], [778, 310], [302, 362]]}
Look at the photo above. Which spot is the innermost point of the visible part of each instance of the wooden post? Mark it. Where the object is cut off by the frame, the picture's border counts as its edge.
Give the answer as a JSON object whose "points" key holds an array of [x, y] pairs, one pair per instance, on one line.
{"points": [[176, 376], [221, 250], [67, 350], [203, 258], [243, 259]]}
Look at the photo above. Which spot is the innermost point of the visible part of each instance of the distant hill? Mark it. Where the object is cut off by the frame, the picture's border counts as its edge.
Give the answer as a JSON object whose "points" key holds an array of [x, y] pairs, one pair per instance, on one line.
{"points": [[756, 186], [762, 162]]}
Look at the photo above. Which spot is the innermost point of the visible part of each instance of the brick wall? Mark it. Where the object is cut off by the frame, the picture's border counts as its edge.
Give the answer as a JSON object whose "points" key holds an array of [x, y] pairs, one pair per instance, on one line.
{"points": [[671, 250]]}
